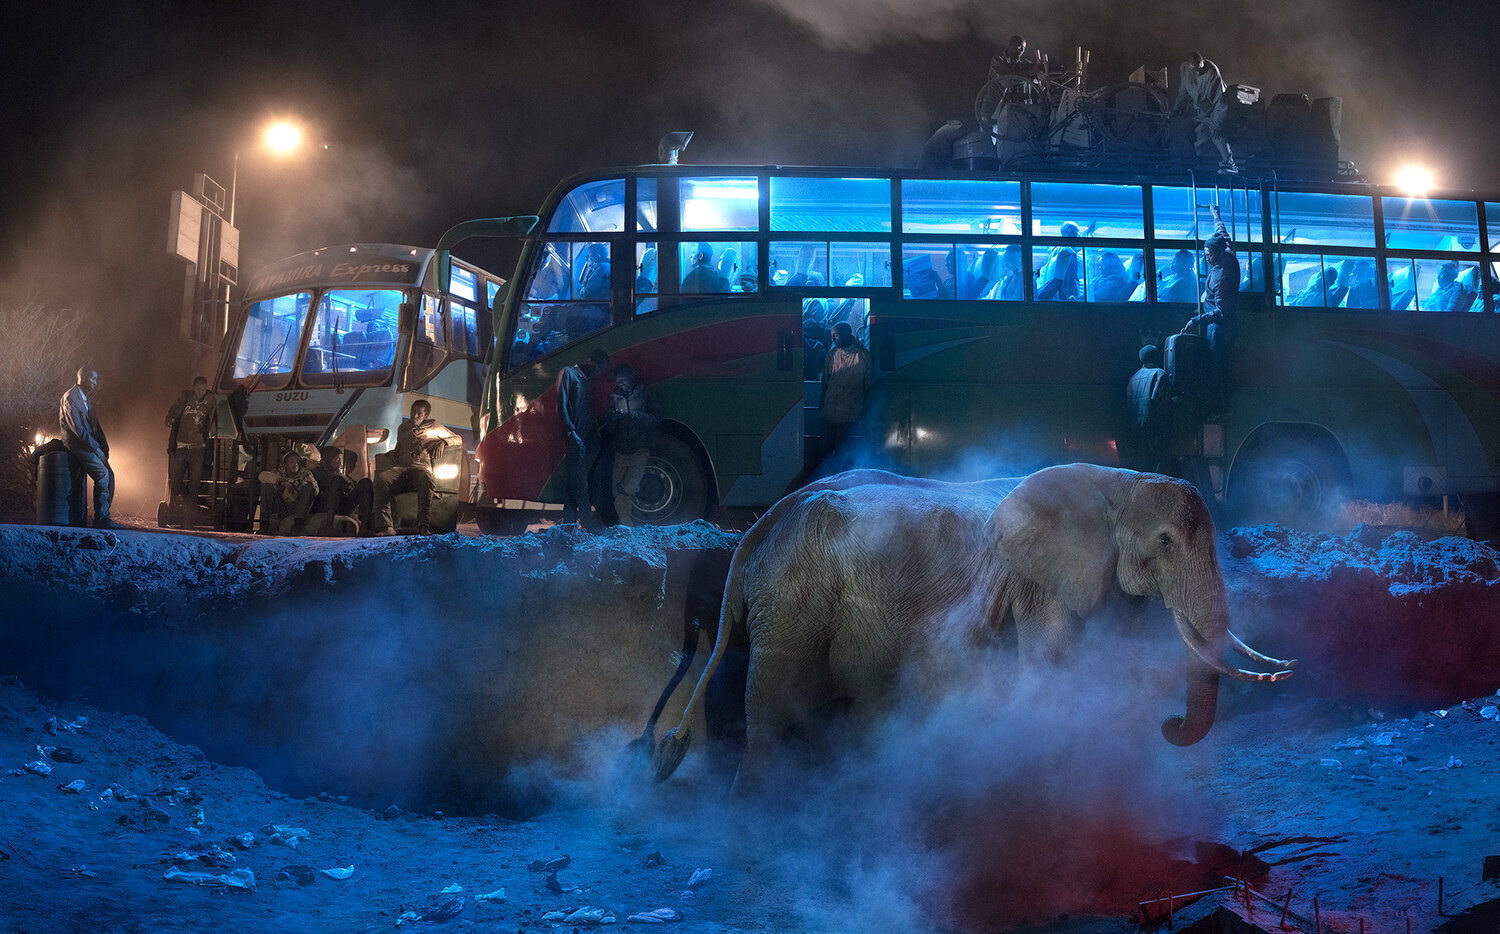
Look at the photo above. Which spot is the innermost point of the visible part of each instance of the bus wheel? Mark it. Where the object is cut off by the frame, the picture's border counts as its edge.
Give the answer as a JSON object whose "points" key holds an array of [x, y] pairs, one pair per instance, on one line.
{"points": [[1287, 482], [675, 486]]}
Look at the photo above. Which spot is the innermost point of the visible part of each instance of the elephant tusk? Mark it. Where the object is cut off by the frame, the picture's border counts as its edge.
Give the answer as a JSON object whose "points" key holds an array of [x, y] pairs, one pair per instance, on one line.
{"points": [[1255, 656], [1210, 657]]}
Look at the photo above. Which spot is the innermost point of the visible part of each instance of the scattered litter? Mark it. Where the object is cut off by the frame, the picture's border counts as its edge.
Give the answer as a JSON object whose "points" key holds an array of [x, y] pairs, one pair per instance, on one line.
{"points": [[240, 879], [117, 792], [700, 875], [1454, 762], [554, 916], [550, 865], [453, 889], [656, 916], [1330, 763], [1440, 714], [655, 859], [436, 914], [195, 815], [496, 896], [1489, 712], [285, 836], [1350, 743], [75, 787], [302, 875], [589, 915], [338, 873], [244, 841], [40, 767], [1362, 778], [1384, 739], [53, 724], [83, 871]]}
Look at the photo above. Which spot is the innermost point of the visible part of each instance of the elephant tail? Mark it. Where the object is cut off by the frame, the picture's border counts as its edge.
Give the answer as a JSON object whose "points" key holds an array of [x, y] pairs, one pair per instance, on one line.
{"points": [[732, 612]]}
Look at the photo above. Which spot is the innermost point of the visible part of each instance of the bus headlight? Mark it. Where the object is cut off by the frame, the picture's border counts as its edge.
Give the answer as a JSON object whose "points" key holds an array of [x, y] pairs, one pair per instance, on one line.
{"points": [[446, 472]]}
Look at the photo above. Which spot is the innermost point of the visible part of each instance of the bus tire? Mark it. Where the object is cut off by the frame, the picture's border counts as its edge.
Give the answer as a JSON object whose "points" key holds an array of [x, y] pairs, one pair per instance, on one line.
{"points": [[674, 489], [1291, 482]]}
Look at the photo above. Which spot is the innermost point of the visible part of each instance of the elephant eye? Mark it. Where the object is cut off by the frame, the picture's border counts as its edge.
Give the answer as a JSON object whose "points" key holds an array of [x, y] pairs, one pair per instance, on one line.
{"points": [[1165, 540]]}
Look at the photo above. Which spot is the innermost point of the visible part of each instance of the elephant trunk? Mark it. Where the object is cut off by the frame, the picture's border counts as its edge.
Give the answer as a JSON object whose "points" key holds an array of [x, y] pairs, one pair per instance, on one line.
{"points": [[1202, 705]]}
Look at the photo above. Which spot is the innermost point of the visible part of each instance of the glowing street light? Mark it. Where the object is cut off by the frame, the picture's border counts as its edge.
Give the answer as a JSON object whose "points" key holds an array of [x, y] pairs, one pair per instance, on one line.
{"points": [[1416, 180], [280, 138]]}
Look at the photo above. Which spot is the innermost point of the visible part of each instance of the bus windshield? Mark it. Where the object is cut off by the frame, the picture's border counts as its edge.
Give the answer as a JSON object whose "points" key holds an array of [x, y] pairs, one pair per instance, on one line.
{"points": [[273, 331], [353, 336]]}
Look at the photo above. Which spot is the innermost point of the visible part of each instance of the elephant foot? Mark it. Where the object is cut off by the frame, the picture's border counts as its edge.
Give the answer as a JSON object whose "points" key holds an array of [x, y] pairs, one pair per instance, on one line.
{"points": [[669, 753]]}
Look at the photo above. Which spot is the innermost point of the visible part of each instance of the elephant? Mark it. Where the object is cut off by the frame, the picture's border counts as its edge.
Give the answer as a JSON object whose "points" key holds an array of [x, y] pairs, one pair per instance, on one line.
{"points": [[844, 583]]}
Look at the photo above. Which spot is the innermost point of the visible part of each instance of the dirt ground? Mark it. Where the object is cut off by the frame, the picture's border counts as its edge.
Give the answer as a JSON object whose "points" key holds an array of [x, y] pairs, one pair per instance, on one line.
{"points": [[1363, 804]]}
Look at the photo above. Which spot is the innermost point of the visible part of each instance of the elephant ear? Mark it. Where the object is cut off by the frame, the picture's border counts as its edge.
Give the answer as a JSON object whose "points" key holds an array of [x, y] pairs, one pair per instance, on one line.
{"points": [[1056, 531]]}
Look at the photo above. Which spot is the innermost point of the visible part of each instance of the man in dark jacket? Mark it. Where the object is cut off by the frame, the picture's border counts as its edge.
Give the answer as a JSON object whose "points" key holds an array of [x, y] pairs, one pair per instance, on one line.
{"points": [[287, 493], [1221, 294], [628, 422], [190, 419], [88, 451], [846, 377], [1150, 411], [419, 442], [575, 410]]}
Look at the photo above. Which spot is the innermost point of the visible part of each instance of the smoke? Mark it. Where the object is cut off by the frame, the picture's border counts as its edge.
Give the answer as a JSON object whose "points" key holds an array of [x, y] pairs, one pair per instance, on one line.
{"points": [[987, 796]]}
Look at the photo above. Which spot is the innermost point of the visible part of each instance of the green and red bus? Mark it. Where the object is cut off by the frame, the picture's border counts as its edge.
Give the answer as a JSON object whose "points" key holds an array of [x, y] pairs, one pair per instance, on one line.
{"points": [[1367, 362]]}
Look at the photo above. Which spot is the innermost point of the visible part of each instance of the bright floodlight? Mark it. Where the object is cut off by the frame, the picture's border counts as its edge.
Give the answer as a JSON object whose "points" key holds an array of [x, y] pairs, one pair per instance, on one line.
{"points": [[1413, 179], [282, 137]]}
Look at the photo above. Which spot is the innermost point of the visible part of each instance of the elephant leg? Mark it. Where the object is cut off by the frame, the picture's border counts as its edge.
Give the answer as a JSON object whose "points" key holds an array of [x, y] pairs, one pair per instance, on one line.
{"points": [[782, 688], [1046, 631]]}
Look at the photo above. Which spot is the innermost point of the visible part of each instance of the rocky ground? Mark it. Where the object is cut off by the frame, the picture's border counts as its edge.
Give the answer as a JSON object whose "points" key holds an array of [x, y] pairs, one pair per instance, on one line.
{"points": [[1357, 783]]}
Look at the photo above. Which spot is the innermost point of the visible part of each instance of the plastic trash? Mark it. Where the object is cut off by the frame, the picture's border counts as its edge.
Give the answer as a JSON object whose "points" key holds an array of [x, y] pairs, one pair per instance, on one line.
{"points": [[242, 879], [195, 815], [496, 896], [282, 835], [75, 787], [54, 724], [700, 875], [40, 767], [447, 911], [1384, 739], [244, 841], [656, 916], [1330, 763], [587, 915], [1489, 712], [338, 873], [1454, 762], [453, 889], [554, 916]]}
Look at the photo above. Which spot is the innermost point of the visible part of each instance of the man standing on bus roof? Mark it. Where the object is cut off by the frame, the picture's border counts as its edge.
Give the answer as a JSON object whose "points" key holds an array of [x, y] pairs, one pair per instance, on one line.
{"points": [[1200, 96], [1220, 296], [629, 420], [190, 418], [575, 411], [846, 376], [88, 450], [419, 442]]}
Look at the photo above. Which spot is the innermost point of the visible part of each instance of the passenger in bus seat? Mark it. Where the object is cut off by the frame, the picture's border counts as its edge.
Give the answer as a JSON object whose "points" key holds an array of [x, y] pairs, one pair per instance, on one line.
{"points": [[645, 282], [703, 277], [729, 266], [1338, 286], [287, 493], [1468, 290], [1319, 286], [1180, 284], [846, 377], [976, 278], [1057, 281], [420, 440], [593, 278], [1362, 292], [1012, 284], [1444, 295], [629, 419], [575, 412], [1112, 281]]}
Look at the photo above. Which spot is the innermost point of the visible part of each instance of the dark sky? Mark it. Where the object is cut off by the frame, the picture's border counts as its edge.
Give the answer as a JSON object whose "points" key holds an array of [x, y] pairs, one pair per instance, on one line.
{"points": [[437, 112]]}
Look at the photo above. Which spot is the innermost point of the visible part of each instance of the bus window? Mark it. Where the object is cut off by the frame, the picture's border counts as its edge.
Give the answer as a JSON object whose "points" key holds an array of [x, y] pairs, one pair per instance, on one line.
{"points": [[1325, 219], [859, 265], [1058, 274], [1425, 224], [799, 263], [927, 271], [717, 267], [553, 314], [491, 289], [1445, 285], [646, 274], [591, 272], [1310, 281], [465, 321], [960, 206], [1402, 282], [1115, 275], [590, 208], [273, 330], [1492, 225], [855, 205], [720, 203], [463, 284], [354, 336], [1176, 276], [1092, 210], [645, 205]]}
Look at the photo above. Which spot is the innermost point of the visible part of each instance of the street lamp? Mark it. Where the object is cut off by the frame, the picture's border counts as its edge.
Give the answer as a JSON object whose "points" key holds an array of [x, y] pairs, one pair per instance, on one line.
{"points": [[280, 138]]}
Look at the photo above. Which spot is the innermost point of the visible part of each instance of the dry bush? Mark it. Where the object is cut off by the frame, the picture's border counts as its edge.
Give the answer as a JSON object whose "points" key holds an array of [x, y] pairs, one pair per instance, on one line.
{"points": [[38, 362]]}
